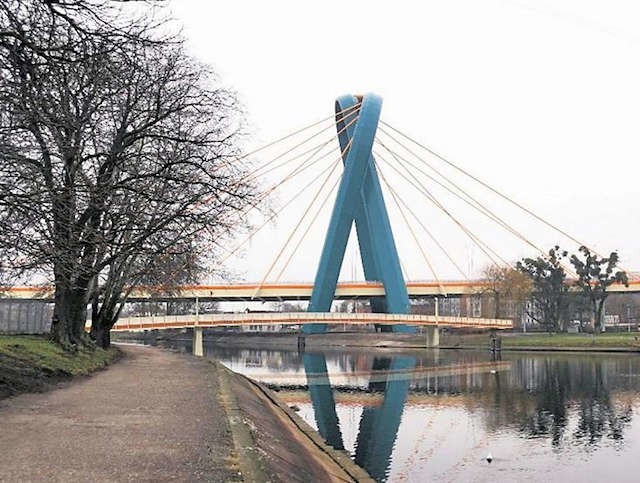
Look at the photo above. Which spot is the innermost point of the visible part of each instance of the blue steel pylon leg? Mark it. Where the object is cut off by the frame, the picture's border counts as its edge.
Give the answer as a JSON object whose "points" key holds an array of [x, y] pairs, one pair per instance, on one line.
{"points": [[360, 198], [345, 132]]}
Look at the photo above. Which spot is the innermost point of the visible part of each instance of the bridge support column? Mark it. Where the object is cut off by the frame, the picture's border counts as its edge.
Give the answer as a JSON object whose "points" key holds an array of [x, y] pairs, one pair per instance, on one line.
{"points": [[198, 349], [433, 337]]}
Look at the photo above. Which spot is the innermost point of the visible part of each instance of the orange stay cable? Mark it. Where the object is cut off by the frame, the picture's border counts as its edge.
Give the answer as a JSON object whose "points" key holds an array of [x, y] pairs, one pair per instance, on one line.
{"points": [[259, 168], [335, 164], [413, 234], [492, 189], [311, 223], [320, 146], [428, 232], [272, 143], [461, 195], [425, 192], [286, 243], [291, 200], [296, 171]]}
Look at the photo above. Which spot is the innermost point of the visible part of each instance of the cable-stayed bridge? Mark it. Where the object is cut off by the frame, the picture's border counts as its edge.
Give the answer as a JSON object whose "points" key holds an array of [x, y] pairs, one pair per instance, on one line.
{"points": [[377, 177]]}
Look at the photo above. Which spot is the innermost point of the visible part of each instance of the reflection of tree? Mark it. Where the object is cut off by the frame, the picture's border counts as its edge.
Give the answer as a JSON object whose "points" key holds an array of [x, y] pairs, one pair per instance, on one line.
{"points": [[558, 384], [550, 417], [598, 417], [540, 394]]}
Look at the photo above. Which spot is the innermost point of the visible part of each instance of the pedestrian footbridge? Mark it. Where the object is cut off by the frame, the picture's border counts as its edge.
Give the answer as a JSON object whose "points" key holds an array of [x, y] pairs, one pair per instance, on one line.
{"points": [[295, 318], [254, 320]]}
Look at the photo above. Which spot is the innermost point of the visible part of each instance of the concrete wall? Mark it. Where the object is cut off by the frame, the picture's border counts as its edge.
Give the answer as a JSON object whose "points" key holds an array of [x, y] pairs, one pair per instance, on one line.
{"points": [[25, 317]]}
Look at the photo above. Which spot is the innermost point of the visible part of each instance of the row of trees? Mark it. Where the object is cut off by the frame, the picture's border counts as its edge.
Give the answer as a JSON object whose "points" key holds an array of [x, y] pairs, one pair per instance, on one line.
{"points": [[540, 286], [119, 157]]}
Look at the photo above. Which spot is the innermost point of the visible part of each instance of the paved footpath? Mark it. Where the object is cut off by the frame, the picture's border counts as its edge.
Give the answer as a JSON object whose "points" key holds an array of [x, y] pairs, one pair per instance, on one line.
{"points": [[153, 416], [157, 416]]}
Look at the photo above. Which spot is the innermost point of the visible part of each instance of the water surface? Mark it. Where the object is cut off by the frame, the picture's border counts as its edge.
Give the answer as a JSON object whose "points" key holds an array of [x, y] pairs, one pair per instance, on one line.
{"points": [[436, 415]]}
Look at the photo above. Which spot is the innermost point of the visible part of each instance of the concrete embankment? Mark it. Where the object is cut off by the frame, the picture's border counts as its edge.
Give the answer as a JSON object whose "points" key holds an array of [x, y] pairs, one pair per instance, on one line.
{"points": [[275, 444], [155, 416]]}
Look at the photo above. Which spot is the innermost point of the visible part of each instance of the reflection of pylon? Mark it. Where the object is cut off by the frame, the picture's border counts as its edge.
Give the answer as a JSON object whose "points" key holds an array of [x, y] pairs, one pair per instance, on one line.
{"points": [[359, 199]]}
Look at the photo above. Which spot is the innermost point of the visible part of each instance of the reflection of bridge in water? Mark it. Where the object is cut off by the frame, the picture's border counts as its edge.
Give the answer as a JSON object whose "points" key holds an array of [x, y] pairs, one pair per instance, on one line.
{"points": [[554, 402], [366, 380], [382, 389], [378, 425], [379, 422]]}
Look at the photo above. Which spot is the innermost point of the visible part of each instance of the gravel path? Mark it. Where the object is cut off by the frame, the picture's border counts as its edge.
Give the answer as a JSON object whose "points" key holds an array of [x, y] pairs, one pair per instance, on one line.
{"points": [[153, 416]]}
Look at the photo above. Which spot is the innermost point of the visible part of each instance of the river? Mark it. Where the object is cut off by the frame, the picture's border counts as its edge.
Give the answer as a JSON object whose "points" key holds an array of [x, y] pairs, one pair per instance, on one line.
{"points": [[440, 415]]}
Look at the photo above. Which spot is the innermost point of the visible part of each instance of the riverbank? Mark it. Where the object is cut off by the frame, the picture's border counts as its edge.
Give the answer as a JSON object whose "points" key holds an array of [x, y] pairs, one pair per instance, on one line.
{"points": [[30, 363], [606, 342], [158, 415]]}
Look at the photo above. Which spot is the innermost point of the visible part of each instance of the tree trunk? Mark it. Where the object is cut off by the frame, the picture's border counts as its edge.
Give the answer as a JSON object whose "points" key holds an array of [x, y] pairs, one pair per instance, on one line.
{"points": [[101, 334], [594, 316], [600, 314], [102, 320], [69, 317]]}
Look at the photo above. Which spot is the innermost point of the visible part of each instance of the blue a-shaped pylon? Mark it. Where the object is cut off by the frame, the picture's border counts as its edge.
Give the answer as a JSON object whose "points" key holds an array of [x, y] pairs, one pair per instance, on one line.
{"points": [[359, 199]]}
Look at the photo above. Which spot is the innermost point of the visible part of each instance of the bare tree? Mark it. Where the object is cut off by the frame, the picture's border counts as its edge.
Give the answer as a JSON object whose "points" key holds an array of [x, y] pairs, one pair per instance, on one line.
{"points": [[118, 150], [159, 271], [493, 287], [506, 285]]}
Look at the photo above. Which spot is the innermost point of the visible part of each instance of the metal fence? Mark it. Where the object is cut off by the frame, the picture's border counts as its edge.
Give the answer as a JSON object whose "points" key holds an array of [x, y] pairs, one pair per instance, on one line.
{"points": [[25, 316]]}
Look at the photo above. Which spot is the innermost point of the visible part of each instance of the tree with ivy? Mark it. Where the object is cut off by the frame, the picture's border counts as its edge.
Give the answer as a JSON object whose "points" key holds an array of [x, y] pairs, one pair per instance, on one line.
{"points": [[549, 292], [595, 275]]}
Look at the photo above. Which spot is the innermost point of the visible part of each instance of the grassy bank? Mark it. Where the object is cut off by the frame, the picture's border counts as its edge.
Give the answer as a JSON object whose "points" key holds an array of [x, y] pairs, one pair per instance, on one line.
{"points": [[33, 363], [619, 340]]}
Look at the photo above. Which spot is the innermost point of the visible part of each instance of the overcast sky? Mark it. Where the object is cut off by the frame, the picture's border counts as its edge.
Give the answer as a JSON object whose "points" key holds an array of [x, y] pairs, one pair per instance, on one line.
{"points": [[539, 98]]}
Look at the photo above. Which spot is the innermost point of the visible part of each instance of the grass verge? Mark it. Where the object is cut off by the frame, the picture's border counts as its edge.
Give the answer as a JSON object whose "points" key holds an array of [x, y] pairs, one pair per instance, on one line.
{"points": [[618, 340], [32, 363], [612, 340]]}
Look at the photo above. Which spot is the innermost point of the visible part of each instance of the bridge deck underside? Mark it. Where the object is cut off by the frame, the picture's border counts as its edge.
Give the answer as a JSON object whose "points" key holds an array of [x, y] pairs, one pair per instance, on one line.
{"points": [[285, 291]]}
